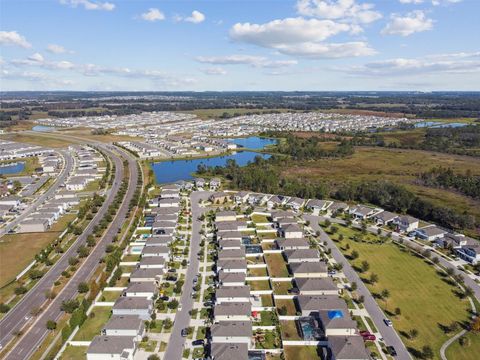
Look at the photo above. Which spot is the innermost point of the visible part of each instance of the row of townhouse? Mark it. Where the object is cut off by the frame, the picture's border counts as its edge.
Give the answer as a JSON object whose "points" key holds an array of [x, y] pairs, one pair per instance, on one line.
{"points": [[14, 150], [119, 338], [86, 168]]}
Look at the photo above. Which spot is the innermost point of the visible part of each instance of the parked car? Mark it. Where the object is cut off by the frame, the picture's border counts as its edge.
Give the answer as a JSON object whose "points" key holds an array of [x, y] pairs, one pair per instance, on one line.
{"points": [[391, 350], [184, 332], [369, 337], [388, 322], [197, 342]]}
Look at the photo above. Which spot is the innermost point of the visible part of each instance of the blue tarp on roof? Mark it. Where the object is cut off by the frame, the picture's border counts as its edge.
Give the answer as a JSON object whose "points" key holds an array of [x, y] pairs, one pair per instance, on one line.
{"points": [[335, 314]]}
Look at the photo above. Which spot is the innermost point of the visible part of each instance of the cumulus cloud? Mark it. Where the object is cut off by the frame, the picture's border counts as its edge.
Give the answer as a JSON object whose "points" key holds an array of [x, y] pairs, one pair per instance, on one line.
{"points": [[214, 71], [301, 37], [89, 4], [57, 49], [152, 15], [411, 1], [13, 38], [406, 25], [440, 63], [255, 61], [38, 60], [197, 17], [363, 13]]}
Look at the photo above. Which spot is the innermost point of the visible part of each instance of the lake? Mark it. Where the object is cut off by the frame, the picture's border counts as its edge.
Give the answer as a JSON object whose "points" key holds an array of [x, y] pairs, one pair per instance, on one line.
{"points": [[435, 124], [8, 169], [253, 142], [175, 170], [43, 128]]}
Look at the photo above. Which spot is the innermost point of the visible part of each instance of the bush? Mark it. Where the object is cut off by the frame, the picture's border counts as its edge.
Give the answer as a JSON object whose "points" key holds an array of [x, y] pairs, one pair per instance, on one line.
{"points": [[69, 306], [20, 290], [83, 288], [51, 325], [4, 308]]}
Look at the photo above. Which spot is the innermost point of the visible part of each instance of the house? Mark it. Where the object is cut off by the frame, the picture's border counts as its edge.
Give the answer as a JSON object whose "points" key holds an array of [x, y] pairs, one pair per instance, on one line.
{"points": [[231, 278], [283, 222], [232, 311], [363, 212], [241, 197], [336, 323], [230, 235], [231, 254], [312, 304], [226, 216], [146, 274], [291, 231], [229, 266], [220, 198], [278, 215], [302, 255], [159, 240], [151, 262], [430, 233], [295, 203], [292, 243], [11, 200], [170, 194], [454, 241], [317, 206], [338, 207], [33, 225], [275, 201], [162, 251], [316, 286], [347, 348], [308, 269], [141, 289], [255, 199], [229, 244], [125, 325], [232, 294], [231, 332], [406, 223], [231, 226], [470, 252], [163, 226], [168, 203], [214, 184], [140, 306], [229, 351], [384, 218], [199, 182], [112, 347]]}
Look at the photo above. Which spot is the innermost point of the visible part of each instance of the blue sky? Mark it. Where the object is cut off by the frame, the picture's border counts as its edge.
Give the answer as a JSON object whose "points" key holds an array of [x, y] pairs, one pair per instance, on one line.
{"points": [[240, 45]]}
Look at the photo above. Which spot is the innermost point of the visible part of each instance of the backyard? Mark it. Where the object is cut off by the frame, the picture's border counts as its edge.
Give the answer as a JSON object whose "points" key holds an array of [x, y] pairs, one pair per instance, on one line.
{"points": [[92, 326], [277, 267]]}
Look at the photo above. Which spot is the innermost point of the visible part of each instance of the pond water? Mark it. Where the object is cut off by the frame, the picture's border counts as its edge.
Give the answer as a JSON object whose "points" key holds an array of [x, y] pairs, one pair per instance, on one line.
{"points": [[435, 124], [175, 170], [15, 168], [43, 128], [253, 142]]}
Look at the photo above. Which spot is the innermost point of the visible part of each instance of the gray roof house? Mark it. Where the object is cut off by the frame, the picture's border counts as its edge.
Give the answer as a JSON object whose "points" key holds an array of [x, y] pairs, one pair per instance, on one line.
{"points": [[347, 348], [231, 254], [232, 294], [231, 332], [336, 323], [231, 278], [229, 351], [141, 289], [309, 304], [232, 311], [302, 255], [308, 269], [112, 347], [316, 286], [237, 265], [139, 306], [124, 325], [292, 243]]}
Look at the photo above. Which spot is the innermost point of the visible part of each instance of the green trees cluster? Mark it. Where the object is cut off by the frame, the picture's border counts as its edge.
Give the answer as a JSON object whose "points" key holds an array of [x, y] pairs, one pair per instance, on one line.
{"points": [[443, 177], [310, 149]]}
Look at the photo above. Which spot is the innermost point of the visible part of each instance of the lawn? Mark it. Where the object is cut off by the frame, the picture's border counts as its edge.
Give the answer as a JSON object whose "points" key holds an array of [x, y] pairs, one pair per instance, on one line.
{"points": [[301, 352], [277, 267], [257, 272], [470, 352], [259, 219], [289, 330], [19, 250], [92, 326], [426, 301], [267, 300], [110, 296], [259, 285], [281, 287], [74, 353], [40, 139], [289, 305]]}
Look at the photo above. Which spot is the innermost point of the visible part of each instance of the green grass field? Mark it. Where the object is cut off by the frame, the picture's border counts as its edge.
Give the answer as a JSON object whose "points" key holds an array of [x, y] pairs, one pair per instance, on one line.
{"points": [[302, 352], [468, 352], [92, 326], [277, 267], [427, 303], [74, 353]]}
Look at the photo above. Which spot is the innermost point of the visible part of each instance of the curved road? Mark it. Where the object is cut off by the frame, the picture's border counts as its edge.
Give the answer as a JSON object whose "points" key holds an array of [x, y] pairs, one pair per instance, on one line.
{"points": [[16, 320], [67, 168], [389, 334]]}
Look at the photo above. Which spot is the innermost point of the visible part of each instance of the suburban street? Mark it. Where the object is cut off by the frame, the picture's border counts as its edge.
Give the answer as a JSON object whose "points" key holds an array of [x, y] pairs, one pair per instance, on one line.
{"points": [[66, 170], [389, 334], [16, 319], [182, 318]]}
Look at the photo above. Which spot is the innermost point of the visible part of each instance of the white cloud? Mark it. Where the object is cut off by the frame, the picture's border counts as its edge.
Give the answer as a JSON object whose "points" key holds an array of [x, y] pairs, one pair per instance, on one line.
{"points": [[57, 49], [197, 17], [89, 4], [13, 38], [413, 22], [440, 63], [214, 71], [363, 13], [301, 37], [411, 1], [153, 14], [255, 61]]}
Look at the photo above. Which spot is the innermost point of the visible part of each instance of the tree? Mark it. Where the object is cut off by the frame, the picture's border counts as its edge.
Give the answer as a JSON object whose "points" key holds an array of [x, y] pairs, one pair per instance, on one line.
{"points": [[167, 324], [453, 326], [4, 308], [427, 352], [173, 304], [365, 266], [413, 333], [153, 357], [464, 341], [398, 312], [353, 286], [385, 295], [354, 254], [450, 271], [476, 324], [51, 325], [69, 306], [20, 290], [373, 278], [83, 288]]}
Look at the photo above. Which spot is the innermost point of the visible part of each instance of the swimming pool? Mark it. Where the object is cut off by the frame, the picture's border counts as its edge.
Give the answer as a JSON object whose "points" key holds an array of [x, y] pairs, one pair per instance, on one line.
{"points": [[308, 329]]}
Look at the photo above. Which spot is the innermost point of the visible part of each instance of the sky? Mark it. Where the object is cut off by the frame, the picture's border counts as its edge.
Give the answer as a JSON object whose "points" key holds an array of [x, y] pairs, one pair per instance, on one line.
{"points": [[228, 45]]}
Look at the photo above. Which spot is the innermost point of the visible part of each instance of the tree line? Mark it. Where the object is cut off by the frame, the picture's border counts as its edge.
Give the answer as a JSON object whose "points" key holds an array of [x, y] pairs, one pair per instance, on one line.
{"points": [[443, 177]]}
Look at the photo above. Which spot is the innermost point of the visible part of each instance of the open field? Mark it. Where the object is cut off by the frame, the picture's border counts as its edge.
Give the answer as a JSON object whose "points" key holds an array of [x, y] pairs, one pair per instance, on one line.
{"points": [[74, 353], [40, 140], [427, 303], [395, 165], [87, 134], [470, 352], [216, 113]]}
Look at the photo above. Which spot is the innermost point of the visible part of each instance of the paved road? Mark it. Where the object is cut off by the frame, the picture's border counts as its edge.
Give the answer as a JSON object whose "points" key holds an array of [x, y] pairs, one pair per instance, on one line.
{"points": [[67, 168], [389, 334], [15, 319], [182, 318]]}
